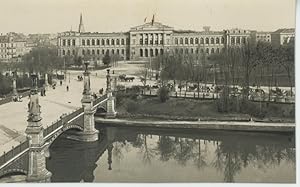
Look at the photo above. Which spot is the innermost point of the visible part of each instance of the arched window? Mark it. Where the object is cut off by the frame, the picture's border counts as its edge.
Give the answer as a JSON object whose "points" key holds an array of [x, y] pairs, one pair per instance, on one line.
{"points": [[93, 42], [83, 52], [212, 50], [238, 40], [222, 40], [196, 41], [64, 42], [118, 42], [181, 51], [218, 50], [232, 40], [201, 41], [83, 42], [212, 40], [112, 42], [69, 42], [156, 52], [107, 51], [98, 42], [93, 52], [207, 50], [186, 41], [98, 52], [207, 40], [88, 42], [123, 51], [73, 42], [151, 52], [192, 50], [176, 41], [122, 42], [73, 52], [161, 51], [197, 51], [63, 52], [217, 40], [88, 52], [102, 42], [103, 51], [141, 52], [146, 52], [181, 40], [107, 41], [112, 51], [118, 51], [191, 40]]}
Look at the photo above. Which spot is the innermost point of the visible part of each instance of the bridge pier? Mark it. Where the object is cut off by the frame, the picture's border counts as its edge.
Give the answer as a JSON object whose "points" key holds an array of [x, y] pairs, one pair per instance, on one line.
{"points": [[89, 133], [110, 104], [38, 150]]}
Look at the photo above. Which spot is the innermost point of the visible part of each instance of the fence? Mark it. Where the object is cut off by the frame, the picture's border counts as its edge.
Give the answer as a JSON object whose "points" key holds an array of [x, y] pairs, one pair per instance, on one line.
{"points": [[13, 152], [98, 100]]}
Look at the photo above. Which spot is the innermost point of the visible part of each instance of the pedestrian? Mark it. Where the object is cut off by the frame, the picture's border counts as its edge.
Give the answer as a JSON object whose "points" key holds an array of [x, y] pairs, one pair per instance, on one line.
{"points": [[67, 88], [60, 82], [44, 92]]}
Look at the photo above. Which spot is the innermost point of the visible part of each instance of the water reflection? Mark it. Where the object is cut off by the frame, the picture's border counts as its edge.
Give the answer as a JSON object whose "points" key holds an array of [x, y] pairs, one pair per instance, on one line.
{"points": [[157, 155]]}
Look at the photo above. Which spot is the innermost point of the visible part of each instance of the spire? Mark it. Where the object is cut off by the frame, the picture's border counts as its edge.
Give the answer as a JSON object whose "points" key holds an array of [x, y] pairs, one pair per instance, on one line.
{"points": [[81, 26]]}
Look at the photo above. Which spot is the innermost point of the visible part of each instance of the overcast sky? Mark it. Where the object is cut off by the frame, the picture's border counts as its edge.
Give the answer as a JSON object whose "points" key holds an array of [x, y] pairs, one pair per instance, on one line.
{"points": [[52, 16]]}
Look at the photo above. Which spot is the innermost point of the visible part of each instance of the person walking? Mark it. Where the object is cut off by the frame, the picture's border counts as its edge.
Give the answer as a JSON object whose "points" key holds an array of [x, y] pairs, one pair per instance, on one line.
{"points": [[67, 88]]}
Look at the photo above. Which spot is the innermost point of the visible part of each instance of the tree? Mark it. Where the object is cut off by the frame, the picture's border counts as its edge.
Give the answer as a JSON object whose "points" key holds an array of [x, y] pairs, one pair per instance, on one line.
{"points": [[163, 94], [106, 59], [78, 61]]}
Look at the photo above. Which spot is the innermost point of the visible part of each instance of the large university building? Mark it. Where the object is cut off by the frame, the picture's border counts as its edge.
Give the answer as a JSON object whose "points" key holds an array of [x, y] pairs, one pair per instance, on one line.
{"points": [[147, 40]]}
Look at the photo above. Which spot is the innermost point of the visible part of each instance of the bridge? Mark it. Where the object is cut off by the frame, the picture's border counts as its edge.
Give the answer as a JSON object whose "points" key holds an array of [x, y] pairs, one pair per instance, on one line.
{"points": [[29, 157]]}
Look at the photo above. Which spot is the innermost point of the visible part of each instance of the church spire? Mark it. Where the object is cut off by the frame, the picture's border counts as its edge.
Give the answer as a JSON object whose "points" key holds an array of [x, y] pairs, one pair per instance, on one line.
{"points": [[81, 26]]}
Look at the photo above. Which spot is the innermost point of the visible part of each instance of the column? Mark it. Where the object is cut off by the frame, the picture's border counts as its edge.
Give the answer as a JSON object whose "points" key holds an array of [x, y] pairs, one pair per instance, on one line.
{"points": [[38, 150], [110, 104], [89, 133]]}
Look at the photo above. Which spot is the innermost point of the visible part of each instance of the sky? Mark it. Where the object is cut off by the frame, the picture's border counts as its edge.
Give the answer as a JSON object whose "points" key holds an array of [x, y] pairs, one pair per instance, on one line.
{"points": [[52, 16]]}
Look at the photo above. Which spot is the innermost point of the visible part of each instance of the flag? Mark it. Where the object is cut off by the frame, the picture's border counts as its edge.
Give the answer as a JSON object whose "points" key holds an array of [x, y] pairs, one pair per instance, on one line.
{"points": [[145, 19], [152, 20]]}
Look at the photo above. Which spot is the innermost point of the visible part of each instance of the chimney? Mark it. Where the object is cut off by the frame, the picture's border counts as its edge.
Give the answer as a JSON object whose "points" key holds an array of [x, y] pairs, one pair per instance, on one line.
{"points": [[206, 28]]}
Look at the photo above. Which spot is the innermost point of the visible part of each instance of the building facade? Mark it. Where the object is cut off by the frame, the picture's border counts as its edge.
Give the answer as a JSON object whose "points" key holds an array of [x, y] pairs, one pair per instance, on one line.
{"points": [[282, 36], [150, 40], [12, 47]]}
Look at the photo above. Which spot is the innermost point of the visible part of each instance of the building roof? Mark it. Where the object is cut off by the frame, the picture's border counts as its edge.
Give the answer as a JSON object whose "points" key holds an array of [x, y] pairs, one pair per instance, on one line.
{"points": [[285, 30]]}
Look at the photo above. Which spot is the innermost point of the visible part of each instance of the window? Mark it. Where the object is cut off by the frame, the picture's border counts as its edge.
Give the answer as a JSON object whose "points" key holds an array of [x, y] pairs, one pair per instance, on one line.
{"points": [[73, 42], [118, 42], [88, 52], [122, 42], [206, 40], [73, 52], [123, 51], [112, 42], [88, 42], [212, 40], [64, 42], [191, 40], [218, 50], [176, 41], [83, 52], [112, 51], [161, 51], [207, 50], [217, 40], [118, 51], [176, 51], [146, 52], [102, 42], [212, 50], [244, 40], [93, 42], [93, 51], [196, 41], [186, 41], [69, 53], [222, 40], [201, 41], [232, 40], [151, 52], [98, 42], [63, 52], [192, 51], [181, 40], [156, 52], [98, 52], [107, 41], [103, 51]]}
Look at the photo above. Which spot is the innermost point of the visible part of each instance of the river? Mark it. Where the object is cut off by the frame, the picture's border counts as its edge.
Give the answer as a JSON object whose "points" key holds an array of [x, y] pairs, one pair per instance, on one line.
{"points": [[174, 155]]}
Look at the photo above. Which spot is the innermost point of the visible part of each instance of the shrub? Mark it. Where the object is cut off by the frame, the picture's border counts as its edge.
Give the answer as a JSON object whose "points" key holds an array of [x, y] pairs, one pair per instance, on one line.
{"points": [[131, 106], [163, 94]]}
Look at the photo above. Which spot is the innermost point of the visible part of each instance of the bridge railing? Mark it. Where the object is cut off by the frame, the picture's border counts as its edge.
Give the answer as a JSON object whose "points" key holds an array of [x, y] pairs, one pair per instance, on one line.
{"points": [[13, 152], [98, 100], [61, 121]]}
